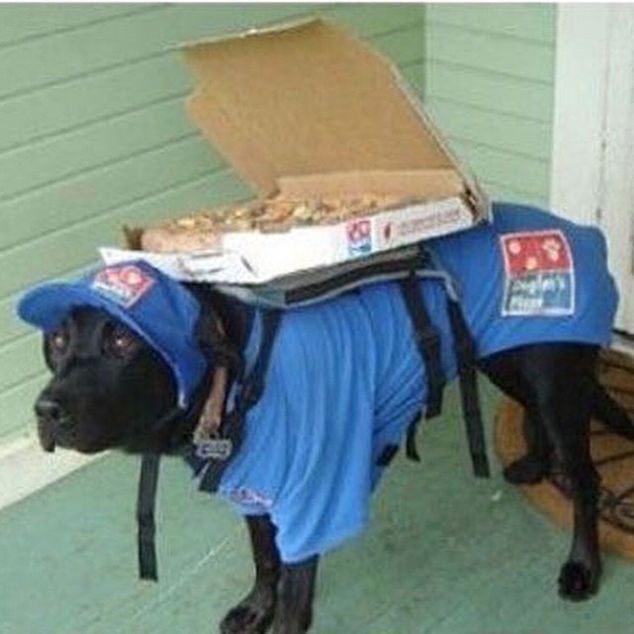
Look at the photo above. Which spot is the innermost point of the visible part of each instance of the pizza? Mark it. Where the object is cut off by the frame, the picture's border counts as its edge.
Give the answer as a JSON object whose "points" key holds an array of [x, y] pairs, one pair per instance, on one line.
{"points": [[203, 230]]}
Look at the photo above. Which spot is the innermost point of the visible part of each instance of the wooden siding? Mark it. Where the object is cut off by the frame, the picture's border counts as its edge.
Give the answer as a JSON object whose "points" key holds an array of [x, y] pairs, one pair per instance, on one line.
{"points": [[489, 72], [93, 134]]}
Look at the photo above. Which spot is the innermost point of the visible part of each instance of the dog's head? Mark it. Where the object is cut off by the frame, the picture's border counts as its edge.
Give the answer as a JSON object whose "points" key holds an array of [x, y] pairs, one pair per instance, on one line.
{"points": [[121, 345], [109, 388]]}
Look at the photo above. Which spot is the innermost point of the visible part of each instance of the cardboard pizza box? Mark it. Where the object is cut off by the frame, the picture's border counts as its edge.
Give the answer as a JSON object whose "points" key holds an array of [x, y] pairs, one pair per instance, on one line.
{"points": [[306, 110]]}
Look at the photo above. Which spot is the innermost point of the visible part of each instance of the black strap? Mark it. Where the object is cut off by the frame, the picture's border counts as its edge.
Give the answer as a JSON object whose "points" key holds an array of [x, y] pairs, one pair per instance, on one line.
{"points": [[427, 341], [146, 499], [468, 376], [250, 393], [253, 387], [146, 502], [411, 450]]}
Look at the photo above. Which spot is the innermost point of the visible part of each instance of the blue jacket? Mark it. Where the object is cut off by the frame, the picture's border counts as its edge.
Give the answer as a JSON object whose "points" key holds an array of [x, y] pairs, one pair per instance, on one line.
{"points": [[345, 377]]}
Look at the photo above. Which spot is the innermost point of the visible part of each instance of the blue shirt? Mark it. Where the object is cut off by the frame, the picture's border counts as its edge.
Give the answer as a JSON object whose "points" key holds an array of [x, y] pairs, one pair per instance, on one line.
{"points": [[531, 277], [345, 378]]}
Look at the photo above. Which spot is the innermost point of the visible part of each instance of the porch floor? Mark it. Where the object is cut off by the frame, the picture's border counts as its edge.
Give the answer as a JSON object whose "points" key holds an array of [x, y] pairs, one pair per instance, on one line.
{"points": [[445, 555]]}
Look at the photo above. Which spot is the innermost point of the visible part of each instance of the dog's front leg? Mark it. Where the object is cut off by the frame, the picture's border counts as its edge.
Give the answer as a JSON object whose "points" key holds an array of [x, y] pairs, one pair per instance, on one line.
{"points": [[254, 614], [579, 576], [295, 592]]}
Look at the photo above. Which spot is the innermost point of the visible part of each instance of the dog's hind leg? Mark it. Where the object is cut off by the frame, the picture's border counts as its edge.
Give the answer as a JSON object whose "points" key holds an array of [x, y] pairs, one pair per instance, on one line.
{"points": [[534, 465], [254, 614], [505, 371], [562, 379]]}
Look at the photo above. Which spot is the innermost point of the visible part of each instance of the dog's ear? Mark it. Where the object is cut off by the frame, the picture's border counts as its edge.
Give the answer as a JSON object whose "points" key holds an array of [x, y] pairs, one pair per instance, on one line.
{"points": [[213, 339], [212, 334], [207, 329]]}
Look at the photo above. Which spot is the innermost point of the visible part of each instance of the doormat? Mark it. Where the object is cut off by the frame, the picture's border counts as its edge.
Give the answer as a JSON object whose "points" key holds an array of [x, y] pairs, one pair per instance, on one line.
{"points": [[613, 457]]}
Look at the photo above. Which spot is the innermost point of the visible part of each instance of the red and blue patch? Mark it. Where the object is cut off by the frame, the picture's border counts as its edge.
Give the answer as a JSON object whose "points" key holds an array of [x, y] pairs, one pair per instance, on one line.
{"points": [[124, 285], [539, 274], [359, 234]]}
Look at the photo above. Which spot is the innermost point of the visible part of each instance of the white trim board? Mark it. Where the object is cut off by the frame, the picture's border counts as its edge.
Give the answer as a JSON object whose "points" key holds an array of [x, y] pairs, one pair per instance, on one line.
{"points": [[592, 180], [617, 204], [25, 468], [581, 65]]}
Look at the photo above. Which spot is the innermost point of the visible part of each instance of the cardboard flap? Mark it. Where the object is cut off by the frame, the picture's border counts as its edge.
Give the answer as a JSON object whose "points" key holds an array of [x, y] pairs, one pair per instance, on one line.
{"points": [[420, 184], [306, 99]]}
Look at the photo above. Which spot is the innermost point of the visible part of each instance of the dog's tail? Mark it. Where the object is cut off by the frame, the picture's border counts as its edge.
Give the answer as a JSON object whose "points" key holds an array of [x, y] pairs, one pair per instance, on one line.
{"points": [[610, 413]]}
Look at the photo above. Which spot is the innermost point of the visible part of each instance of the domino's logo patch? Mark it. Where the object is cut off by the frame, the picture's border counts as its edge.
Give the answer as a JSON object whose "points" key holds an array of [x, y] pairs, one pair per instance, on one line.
{"points": [[124, 284], [539, 274], [359, 234]]}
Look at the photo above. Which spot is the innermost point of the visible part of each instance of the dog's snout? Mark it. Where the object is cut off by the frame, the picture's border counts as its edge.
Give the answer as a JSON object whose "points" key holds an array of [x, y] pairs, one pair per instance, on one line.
{"points": [[49, 410], [52, 419]]}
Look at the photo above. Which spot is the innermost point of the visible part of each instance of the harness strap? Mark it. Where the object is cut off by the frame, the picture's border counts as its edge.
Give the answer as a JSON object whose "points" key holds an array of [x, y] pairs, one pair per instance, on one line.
{"points": [[253, 386], [146, 503], [146, 500], [427, 340], [232, 427], [469, 395], [230, 440], [411, 450]]}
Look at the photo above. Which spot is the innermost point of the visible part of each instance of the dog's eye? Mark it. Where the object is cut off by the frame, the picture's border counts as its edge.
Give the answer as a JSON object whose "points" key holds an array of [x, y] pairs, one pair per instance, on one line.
{"points": [[59, 340], [121, 342]]}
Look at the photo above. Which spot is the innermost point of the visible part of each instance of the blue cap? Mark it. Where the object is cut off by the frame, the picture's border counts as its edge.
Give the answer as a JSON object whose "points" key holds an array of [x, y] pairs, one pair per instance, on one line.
{"points": [[160, 310]]}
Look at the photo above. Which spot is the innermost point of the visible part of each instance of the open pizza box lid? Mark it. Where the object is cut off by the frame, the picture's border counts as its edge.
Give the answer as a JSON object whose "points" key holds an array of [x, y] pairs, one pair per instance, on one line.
{"points": [[306, 109]]}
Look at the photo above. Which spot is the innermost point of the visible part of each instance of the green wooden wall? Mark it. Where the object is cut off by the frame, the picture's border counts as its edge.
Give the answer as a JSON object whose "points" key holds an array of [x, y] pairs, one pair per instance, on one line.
{"points": [[489, 71], [93, 132]]}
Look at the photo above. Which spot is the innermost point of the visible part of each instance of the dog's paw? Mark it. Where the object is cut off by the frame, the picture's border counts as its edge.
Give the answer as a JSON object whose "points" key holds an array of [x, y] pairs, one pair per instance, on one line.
{"points": [[298, 625], [253, 615], [577, 582], [526, 470], [244, 620]]}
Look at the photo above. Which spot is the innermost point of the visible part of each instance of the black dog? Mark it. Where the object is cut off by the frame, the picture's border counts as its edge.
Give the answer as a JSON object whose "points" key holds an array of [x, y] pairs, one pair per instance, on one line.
{"points": [[110, 389]]}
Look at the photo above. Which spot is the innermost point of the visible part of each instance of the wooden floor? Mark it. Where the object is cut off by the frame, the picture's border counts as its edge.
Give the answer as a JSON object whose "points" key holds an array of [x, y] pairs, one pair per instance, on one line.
{"points": [[445, 555]]}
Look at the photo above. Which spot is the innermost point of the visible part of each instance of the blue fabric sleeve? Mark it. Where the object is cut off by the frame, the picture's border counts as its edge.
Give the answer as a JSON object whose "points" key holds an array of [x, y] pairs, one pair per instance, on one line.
{"points": [[322, 510]]}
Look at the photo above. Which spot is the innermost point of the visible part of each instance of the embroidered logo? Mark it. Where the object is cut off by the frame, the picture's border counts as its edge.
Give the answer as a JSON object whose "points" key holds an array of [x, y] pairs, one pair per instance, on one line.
{"points": [[359, 233], [124, 284], [249, 497], [539, 274]]}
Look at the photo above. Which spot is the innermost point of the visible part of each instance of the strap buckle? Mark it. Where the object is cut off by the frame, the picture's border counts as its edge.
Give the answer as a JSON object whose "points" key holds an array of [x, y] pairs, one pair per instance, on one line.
{"points": [[215, 448]]}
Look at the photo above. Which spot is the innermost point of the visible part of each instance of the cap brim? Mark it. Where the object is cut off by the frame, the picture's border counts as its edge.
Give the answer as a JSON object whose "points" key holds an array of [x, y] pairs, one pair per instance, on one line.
{"points": [[48, 305]]}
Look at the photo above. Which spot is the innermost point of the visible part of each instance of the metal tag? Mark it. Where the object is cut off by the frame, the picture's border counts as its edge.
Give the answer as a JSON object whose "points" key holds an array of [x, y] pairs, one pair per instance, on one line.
{"points": [[215, 449]]}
